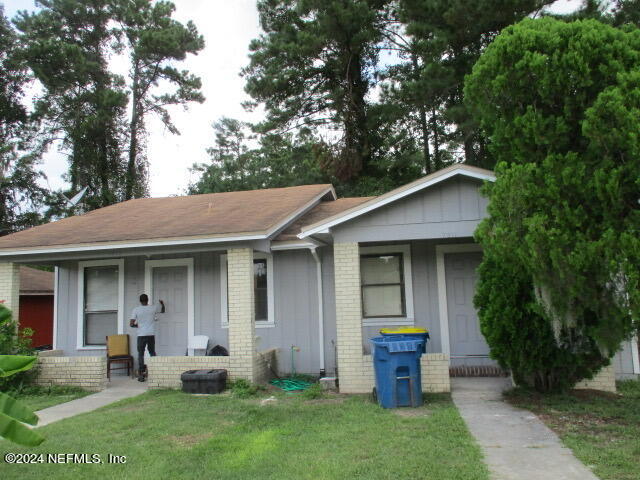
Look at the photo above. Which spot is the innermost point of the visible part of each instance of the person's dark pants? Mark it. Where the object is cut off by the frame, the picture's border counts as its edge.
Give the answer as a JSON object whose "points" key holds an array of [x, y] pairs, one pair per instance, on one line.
{"points": [[148, 341]]}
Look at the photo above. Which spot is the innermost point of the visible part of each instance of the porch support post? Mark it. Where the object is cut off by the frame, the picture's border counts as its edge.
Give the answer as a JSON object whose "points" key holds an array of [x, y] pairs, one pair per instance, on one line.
{"points": [[10, 287], [242, 344], [351, 372]]}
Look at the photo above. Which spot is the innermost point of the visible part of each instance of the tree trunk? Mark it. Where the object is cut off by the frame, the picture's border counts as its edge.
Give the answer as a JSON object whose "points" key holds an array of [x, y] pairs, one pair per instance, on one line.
{"points": [[436, 140], [131, 176], [424, 127], [357, 152]]}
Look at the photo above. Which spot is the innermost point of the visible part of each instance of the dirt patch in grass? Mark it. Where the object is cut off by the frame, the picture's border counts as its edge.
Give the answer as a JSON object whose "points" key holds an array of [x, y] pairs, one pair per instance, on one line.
{"points": [[327, 400], [188, 441], [588, 394], [412, 412]]}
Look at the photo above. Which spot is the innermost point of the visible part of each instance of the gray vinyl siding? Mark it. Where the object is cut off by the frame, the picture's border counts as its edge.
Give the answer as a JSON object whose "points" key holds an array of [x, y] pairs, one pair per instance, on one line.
{"points": [[67, 305], [451, 209], [329, 310], [207, 314], [296, 312], [623, 363], [295, 298]]}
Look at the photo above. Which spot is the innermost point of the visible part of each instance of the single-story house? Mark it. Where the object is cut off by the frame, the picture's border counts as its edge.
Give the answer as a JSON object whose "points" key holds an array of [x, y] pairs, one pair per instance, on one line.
{"points": [[36, 305], [287, 278]]}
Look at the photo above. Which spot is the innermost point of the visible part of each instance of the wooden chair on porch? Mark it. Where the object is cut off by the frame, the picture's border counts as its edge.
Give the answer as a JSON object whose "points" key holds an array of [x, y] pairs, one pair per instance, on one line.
{"points": [[118, 352]]}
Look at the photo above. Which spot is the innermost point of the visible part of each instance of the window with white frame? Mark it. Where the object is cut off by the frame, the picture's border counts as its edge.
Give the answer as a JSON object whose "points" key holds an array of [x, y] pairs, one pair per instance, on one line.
{"points": [[386, 287], [262, 290], [99, 302]]}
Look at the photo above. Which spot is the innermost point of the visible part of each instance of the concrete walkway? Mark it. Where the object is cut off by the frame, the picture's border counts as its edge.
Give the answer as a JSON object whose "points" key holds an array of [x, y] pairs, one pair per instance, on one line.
{"points": [[516, 444], [117, 389]]}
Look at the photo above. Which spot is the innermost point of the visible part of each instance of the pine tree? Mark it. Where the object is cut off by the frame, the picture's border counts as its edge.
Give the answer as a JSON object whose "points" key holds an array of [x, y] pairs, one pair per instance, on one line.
{"points": [[21, 197], [156, 44]]}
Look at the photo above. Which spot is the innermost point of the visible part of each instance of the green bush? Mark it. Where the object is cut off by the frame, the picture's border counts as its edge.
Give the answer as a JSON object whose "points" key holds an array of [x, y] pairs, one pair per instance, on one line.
{"points": [[560, 285], [313, 392], [15, 342], [520, 336], [242, 388]]}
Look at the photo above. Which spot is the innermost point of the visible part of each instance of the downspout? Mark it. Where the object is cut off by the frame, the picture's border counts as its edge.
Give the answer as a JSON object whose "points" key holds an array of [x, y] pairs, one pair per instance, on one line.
{"points": [[316, 257]]}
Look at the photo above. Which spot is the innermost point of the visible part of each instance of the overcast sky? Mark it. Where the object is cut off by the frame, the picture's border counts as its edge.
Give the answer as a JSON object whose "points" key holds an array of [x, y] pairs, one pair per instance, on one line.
{"points": [[228, 26]]}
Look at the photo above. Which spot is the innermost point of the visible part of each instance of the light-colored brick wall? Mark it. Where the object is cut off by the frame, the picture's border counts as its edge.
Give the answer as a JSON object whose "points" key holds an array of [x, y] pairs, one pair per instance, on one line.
{"points": [[346, 258], [605, 380], [10, 287], [164, 372], [242, 346], [86, 372], [434, 369], [266, 366], [355, 370]]}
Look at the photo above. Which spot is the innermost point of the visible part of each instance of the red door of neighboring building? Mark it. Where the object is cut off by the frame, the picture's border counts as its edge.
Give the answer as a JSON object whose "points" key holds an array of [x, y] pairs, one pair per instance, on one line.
{"points": [[36, 312]]}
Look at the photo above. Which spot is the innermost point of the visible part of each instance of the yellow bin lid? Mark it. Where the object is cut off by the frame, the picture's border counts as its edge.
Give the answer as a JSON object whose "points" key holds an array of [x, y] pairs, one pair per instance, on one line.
{"points": [[405, 330]]}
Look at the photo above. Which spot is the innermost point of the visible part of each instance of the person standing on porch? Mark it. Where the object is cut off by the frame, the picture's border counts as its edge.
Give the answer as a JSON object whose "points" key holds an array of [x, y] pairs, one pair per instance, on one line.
{"points": [[144, 318]]}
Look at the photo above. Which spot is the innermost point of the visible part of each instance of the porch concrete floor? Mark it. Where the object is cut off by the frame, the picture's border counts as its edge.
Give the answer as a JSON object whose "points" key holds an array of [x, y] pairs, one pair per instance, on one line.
{"points": [[516, 444], [117, 389]]}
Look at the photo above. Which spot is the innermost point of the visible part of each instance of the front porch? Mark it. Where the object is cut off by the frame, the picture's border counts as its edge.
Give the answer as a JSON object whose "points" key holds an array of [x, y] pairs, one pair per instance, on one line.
{"points": [[86, 367]]}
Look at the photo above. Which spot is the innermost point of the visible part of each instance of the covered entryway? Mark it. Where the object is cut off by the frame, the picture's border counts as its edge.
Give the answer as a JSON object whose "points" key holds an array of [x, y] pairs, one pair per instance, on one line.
{"points": [[172, 282], [170, 285], [468, 349]]}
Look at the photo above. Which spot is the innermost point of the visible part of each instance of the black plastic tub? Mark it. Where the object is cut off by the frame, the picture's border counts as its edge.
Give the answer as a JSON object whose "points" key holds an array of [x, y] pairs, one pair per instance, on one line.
{"points": [[204, 381]]}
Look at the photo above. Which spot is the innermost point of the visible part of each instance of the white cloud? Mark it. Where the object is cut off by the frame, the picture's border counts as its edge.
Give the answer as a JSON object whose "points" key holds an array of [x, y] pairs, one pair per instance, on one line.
{"points": [[228, 26]]}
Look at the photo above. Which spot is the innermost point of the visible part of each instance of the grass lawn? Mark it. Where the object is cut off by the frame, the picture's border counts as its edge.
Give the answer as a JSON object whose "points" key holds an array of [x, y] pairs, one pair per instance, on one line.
{"points": [[602, 429], [169, 434], [37, 398]]}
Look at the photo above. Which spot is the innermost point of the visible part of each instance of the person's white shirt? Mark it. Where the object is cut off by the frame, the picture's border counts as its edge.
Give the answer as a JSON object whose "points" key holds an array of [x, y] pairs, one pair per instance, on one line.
{"points": [[146, 317]]}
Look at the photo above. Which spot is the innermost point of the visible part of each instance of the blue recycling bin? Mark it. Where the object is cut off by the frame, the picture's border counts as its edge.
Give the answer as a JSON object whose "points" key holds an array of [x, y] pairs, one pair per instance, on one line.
{"points": [[396, 362]]}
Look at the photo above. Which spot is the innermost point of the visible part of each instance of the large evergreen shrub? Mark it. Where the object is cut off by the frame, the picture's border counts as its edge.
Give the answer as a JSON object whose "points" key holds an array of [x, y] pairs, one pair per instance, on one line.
{"points": [[561, 105]]}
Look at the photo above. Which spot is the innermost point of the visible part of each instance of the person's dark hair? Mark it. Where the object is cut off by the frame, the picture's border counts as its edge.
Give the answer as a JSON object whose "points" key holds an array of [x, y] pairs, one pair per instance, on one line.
{"points": [[144, 298]]}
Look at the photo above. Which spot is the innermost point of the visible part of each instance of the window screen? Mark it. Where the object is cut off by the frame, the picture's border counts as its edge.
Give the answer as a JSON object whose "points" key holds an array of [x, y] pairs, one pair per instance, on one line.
{"points": [[382, 282], [100, 304], [260, 290]]}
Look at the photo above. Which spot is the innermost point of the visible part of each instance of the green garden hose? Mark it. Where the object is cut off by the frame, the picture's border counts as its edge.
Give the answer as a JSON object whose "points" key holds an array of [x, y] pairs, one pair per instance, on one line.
{"points": [[290, 384]]}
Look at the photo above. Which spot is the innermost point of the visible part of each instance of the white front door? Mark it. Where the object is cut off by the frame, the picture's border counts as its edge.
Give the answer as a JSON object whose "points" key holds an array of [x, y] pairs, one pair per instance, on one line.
{"points": [[170, 284]]}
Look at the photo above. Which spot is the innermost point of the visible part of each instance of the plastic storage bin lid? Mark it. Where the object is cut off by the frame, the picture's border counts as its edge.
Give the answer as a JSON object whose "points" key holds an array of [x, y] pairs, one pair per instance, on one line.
{"points": [[403, 330], [398, 345]]}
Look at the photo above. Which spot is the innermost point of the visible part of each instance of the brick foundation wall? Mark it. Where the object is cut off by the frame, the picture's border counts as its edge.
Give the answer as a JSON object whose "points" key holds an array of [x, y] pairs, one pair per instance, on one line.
{"points": [[164, 372], [605, 380], [435, 373], [266, 363], [10, 287], [434, 369], [87, 372]]}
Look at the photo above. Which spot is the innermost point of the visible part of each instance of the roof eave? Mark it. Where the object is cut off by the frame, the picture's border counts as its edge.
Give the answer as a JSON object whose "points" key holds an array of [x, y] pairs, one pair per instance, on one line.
{"points": [[375, 203]]}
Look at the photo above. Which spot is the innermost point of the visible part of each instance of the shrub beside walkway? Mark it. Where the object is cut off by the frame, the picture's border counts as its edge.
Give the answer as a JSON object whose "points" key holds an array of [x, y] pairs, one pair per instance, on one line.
{"points": [[516, 444]]}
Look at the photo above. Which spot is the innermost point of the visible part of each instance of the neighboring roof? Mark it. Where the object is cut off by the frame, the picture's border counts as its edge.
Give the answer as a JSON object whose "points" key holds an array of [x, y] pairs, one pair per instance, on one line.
{"points": [[208, 217], [35, 282], [376, 202], [320, 212]]}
